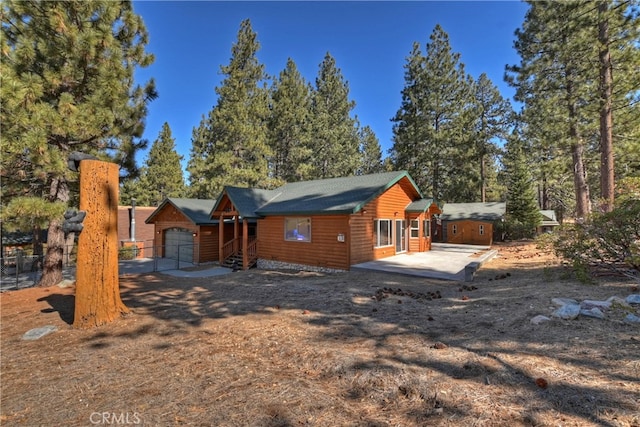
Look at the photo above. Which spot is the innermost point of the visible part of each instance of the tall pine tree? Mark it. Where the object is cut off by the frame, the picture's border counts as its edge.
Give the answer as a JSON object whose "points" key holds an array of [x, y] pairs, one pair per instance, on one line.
{"points": [[370, 150], [161, 175], [335, 140], [571, 91], [230, 146], [522, 212], [290, 126], [493, 116], [432, 129], [68, 85]]}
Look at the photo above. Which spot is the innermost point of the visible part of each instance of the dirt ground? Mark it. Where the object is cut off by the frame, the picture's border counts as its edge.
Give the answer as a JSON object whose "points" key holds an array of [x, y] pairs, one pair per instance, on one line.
{"points": [[286, 348]]}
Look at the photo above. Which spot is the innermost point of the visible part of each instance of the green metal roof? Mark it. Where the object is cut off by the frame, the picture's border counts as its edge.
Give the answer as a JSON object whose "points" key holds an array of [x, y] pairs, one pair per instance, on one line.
{"points": [[248, 200], [196, 210], [419, 206], [491, 211], [331, 196]]}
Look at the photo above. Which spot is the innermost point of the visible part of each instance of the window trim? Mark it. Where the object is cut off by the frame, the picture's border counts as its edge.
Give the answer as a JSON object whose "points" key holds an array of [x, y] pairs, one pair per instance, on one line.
{"points": [[416, 228], [296, 231], [454, 228], [377, 235], [481, 229], [427, 228]]}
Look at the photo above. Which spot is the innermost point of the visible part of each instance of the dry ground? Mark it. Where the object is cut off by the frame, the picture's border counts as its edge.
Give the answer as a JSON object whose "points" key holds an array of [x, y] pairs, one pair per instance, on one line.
{"points": [[277, 348]]}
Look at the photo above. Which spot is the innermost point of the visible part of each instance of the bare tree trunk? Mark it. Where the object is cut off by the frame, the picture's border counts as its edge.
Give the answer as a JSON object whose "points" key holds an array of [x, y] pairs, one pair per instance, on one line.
{"points": [[607, 179], [52, 270], [483, 185], [97, 288], [581, 187], [583, 204]]}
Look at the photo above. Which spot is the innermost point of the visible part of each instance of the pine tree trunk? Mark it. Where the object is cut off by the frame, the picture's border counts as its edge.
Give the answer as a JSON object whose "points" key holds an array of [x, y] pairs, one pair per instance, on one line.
{"points": [[483, 186], [607, 183], [581, 187], [97, 288], [52, 269]]}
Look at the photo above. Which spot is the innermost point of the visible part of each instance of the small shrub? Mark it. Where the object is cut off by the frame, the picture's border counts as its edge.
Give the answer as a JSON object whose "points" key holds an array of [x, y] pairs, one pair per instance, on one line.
{"points": [[127, 253]]}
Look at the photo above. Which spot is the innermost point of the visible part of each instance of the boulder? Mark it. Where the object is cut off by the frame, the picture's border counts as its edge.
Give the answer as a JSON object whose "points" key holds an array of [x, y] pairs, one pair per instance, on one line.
{"points": [[567, 311]]}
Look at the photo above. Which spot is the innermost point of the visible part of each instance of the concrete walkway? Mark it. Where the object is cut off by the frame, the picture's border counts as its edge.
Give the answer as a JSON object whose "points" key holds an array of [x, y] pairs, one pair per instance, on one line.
{"points": [[170, 267], [444, 261]]}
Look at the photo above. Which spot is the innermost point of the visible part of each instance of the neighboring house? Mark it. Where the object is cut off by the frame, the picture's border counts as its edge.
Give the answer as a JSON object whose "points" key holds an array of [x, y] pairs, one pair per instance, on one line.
{"points": [[324, 224], [133, 229], [185, 231], [549, 222], [469, 223]]}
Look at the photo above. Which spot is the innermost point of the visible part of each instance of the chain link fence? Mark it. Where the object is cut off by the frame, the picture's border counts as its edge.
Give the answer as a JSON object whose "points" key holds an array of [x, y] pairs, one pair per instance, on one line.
{"points": [[19, 270]]}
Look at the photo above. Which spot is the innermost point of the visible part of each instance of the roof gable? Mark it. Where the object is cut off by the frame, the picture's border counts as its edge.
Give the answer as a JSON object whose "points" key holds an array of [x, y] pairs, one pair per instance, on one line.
{"points": [[195, 210], [344, 195], [245, 200]]}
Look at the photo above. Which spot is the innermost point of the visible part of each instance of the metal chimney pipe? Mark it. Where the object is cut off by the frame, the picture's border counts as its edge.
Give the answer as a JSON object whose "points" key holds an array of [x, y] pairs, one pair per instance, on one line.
{"points": [[133, 219]]}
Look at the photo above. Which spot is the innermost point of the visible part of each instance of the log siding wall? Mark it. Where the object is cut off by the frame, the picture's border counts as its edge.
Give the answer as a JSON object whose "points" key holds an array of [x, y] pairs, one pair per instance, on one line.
{"points": [[324, 250]]}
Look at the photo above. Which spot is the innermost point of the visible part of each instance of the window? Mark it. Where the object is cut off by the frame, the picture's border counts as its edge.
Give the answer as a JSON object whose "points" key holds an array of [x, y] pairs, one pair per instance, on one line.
{"points": [[415, 228], [297, 229], [481, 229], [454, 229], [382, 228], [427, 228]]}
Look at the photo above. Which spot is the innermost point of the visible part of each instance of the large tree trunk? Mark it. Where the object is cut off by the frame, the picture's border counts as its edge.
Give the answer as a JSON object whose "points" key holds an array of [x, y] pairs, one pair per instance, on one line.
{"points": [[97, 288], [607, 183], [52, 270]]}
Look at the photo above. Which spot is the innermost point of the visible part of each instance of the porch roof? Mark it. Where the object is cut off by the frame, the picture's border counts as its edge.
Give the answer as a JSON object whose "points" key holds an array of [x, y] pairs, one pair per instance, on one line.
{"points": [[419, 206]]}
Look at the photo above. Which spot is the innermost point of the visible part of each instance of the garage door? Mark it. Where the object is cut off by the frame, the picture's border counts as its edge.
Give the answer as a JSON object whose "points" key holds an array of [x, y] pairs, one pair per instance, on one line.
{"points": [[178, 244]]}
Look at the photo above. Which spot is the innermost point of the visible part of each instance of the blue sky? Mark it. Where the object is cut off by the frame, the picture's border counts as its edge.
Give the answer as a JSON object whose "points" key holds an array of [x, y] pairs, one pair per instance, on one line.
{"points": [[370, 42]]}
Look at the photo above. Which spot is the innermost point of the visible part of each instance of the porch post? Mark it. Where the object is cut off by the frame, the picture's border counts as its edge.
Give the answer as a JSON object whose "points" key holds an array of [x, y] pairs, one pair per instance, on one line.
{"points": [[235, 234], [245, 240], [221, 240]]}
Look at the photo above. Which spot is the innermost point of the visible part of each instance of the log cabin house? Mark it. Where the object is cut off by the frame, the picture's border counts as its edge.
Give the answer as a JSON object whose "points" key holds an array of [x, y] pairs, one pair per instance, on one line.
{"points": [[328, 224]]}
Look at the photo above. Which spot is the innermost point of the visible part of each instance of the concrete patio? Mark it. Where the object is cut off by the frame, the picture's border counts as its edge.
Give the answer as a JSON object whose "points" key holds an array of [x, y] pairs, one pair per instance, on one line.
{"points": [[444, 261]]}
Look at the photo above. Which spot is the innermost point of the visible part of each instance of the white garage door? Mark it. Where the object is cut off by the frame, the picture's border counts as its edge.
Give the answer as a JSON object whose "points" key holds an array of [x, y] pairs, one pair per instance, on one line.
{"points": [[178, 244]]}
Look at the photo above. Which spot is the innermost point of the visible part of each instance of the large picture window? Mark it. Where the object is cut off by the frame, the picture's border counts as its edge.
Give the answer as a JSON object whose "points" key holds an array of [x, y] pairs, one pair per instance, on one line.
{"points": [[415, 228], [383, 232], [297, 229]]}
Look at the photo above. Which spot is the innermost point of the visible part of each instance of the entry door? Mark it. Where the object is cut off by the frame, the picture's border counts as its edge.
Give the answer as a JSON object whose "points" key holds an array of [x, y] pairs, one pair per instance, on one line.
{"points": [[401, 240]]}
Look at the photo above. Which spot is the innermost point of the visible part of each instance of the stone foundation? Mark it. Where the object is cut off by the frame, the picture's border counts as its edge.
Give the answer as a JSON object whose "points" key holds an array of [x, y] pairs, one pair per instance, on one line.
{"points": [[265, 264]]}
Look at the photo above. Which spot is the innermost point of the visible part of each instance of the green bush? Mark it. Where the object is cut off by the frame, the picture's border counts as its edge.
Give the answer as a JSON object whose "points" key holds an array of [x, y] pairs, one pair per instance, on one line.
{"points": [[127, 253], [609, 240]]}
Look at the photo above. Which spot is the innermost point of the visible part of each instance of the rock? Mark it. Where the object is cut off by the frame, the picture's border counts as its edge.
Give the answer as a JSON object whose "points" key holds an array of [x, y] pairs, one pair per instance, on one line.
{"points": [[37, 333], [563, 301], [592, 312], [632, 318], [589, 304], [540, 319], [633, 299], [567, 311], [66, 283]]}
